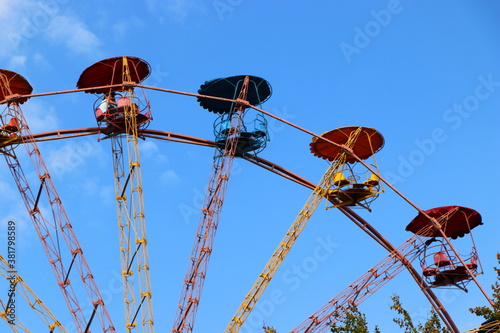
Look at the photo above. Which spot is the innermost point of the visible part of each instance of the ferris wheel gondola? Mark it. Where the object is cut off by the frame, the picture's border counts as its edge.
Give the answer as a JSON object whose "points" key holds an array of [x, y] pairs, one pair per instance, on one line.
{"points": [[440, 265], [13, 85], [252, 133], [352, 186], [115, 78]]}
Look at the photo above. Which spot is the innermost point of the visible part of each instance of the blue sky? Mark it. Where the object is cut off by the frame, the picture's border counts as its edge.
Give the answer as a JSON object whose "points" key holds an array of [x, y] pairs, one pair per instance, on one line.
{"points": [[425, 74]]}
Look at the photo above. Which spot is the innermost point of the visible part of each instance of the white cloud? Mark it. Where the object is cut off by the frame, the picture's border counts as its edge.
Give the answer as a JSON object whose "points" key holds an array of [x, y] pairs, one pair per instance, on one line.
{"points": [[74, 34], [6, 8], [17, 62], [178, 10], [18, 213], [12, 18], [120, 30], [24, 22], [73, 156], [170, 177], [8, 192], [40, 117], [64, 160], [106, 194], [93, 186], [149, 149], [41, 62]]}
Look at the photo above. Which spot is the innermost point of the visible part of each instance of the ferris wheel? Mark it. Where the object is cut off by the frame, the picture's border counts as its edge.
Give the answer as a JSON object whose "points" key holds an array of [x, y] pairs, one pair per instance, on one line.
{"points": [[123, 114]]}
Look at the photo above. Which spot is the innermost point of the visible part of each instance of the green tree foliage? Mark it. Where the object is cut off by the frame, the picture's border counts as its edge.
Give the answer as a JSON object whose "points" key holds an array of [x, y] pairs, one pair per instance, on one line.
{"points": [[491, 312], [268, 329], [432, 325], [405, 322], [355, 321]]}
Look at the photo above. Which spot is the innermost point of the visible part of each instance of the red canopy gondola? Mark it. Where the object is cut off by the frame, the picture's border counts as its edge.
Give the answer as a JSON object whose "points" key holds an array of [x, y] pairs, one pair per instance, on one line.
{"points": [[366, 144], [16, 83], [458, 222], [110, 72]]}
